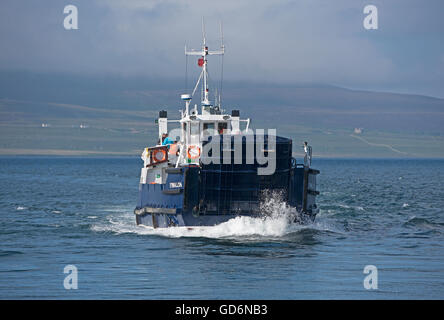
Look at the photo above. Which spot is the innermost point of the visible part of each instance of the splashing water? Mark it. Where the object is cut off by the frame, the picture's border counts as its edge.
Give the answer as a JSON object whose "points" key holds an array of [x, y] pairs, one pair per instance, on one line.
{"points": [[274, 206], [277, 219], [241, 226]]}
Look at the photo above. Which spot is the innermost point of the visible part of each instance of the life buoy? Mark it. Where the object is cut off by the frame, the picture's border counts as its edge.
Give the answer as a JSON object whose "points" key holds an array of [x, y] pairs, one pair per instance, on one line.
{"points": [[159, 155], [193, 152]]}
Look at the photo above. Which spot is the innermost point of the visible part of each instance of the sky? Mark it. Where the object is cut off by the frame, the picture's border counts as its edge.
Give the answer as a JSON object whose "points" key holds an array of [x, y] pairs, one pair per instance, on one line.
{"points": [[277, 41]]}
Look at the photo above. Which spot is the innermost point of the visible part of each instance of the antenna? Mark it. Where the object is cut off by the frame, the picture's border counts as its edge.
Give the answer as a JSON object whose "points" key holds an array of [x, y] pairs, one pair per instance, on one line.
{"points": [[221, 36], [186, 69], [222, 46], [203, 31]]}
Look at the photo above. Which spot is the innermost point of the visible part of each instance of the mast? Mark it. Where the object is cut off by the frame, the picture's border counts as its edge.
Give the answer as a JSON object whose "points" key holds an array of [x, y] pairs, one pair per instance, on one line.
{"points": [[203, 62], [205, 72]]}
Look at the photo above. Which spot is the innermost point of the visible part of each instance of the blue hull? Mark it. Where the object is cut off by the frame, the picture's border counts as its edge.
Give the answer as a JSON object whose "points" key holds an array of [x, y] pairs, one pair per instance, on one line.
{"points": [[157, 220], [188, 198]]}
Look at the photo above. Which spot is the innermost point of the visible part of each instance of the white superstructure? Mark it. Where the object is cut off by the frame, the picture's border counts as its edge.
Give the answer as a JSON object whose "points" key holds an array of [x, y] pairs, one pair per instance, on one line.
{"points": [[194, 126]]}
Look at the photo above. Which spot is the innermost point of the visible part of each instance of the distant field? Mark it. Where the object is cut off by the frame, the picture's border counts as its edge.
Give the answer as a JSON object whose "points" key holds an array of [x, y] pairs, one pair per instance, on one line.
{"points": [[34, 140], [344, 143], [118, 118], [74, 141]]}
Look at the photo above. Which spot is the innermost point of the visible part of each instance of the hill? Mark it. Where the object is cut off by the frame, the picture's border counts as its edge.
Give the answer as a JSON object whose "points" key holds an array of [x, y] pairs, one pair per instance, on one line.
{"points": [[90, 115]]}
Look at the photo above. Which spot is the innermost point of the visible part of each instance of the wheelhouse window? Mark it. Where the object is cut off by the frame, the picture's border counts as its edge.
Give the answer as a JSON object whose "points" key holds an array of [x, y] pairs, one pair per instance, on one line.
{"points": [[222, 127], [194, 128], [207, 129], [194, 133], [184, 132]]}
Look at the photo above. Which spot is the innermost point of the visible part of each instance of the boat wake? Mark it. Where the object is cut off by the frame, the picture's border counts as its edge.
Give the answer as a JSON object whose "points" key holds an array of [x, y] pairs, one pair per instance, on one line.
{"points": [[239, 227], [277, 220]]}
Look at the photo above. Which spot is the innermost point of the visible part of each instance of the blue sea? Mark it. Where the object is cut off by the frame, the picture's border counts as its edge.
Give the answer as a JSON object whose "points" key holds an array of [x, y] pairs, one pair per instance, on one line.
{"points": [[59, 211]]}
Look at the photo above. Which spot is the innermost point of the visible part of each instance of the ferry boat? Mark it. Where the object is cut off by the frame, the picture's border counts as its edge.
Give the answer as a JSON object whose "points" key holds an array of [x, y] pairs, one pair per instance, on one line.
{"points": [[212, 167]]}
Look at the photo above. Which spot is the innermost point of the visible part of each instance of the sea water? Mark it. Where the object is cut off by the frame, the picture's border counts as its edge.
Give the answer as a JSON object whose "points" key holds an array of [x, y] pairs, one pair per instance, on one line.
{"points": [[59, 211]]}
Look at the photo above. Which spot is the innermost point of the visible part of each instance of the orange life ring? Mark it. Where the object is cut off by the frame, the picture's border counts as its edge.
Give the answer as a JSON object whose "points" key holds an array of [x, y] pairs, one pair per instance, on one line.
{"points": [[159, 155], [193, 154]]}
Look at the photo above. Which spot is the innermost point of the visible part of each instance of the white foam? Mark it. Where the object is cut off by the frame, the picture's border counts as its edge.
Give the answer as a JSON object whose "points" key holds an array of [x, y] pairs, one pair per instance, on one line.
{"points": [[276, 221], [241, 226]]}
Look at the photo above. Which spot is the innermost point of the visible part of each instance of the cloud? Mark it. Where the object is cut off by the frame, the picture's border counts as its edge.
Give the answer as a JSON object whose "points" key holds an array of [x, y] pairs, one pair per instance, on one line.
{"points": [[279, 41]]}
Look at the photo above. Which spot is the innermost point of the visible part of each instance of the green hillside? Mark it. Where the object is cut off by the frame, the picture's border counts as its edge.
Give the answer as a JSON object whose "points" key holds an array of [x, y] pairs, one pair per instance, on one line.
{"points": [[88, 116]]}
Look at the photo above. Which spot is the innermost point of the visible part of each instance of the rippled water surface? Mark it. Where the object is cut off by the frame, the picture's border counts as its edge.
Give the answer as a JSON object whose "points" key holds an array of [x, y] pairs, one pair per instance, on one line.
{"points": [[70, 211]]}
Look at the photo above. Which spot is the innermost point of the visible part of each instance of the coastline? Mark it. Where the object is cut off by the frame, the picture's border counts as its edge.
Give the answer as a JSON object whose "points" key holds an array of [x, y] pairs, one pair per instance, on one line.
{"points": [[62, 152], [22, 152]]}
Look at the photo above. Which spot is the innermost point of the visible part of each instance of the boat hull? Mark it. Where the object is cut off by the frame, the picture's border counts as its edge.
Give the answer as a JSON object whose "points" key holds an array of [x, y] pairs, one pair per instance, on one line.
{"points": [[162, 220], [210, 194]]}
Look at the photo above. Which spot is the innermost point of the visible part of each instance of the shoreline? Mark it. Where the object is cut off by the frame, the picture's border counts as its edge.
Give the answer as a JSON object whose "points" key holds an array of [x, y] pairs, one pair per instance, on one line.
{"points": [[63, 153], [112, 154]]}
